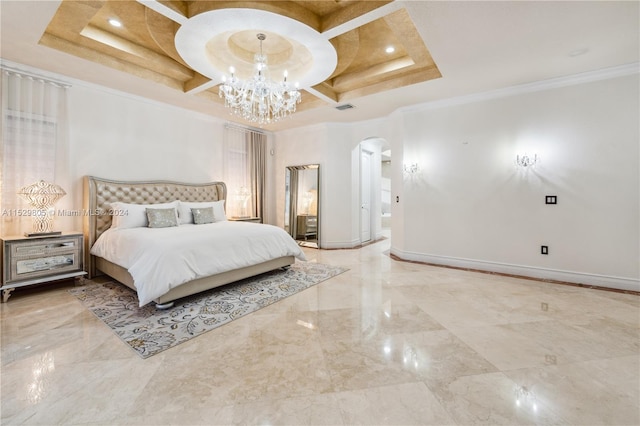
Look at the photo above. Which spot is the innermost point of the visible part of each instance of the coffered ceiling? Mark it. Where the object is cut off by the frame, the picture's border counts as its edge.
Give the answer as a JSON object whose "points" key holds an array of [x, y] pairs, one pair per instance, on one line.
{"points": [[176, 52], [338, 50]]}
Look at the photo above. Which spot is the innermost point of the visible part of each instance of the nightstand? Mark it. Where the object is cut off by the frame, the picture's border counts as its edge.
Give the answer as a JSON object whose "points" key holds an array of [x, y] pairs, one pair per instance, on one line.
{"points": [[35, 260], [307, 226], [246, 219]]}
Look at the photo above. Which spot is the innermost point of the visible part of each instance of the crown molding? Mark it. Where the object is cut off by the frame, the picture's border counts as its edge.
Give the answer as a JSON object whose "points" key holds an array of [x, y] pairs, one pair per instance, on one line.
{"points": [[553, 83], [73, 82], [587, 77]]}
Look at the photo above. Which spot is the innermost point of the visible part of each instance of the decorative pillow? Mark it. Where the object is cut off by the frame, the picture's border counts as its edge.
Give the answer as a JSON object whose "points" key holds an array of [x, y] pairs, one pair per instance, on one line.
{"points": [[125, 215], [162, 218], [202, 215], [186, 216]]}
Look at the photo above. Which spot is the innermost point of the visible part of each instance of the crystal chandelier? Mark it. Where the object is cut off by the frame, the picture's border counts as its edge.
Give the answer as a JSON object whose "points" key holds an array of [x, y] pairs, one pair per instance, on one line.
{"points": [[259, 99]]}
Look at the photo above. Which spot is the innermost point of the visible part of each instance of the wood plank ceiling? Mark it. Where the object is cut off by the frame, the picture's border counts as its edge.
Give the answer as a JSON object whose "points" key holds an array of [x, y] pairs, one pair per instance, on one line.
{"points": [[144, 45]]}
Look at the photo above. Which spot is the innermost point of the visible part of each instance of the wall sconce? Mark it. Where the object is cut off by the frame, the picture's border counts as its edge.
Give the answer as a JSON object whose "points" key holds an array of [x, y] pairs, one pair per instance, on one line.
{"points": [[525, 160], [42, 196], [411, 168]]}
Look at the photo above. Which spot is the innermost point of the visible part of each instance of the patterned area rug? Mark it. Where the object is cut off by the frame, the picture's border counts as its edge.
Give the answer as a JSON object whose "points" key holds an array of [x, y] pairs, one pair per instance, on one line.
{"points": [[149, 330]]}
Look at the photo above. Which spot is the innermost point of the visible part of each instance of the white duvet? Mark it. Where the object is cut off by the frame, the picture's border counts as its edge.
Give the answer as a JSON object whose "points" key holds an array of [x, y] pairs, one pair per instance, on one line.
{"points": [[160, 259]]}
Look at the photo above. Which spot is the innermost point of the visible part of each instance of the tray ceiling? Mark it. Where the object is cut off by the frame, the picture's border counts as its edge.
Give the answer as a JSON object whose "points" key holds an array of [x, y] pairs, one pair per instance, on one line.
{"points": [[336, 49]]}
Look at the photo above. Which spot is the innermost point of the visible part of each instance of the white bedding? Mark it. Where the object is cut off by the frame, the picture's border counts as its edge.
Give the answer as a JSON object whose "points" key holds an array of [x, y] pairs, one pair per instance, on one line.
{"points": [[160, 259]]}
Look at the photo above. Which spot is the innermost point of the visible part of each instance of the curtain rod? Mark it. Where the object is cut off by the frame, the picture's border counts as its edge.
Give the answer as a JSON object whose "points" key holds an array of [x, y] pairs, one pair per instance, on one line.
{"points": [[22, 73], [231, 126]]}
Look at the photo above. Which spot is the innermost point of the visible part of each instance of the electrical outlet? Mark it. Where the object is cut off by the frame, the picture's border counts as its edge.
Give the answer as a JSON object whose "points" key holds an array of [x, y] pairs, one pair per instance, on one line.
{"points": [[544, 249], [551, 199]]}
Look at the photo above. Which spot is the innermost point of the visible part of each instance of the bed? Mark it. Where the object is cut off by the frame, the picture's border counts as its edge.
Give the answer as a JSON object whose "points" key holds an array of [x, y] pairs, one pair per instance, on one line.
{"points": [[100, 197]]}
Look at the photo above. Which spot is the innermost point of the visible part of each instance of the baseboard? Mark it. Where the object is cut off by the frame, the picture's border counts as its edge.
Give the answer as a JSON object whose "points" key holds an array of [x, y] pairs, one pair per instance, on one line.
{"points": [[332, 245], [618, 283]]}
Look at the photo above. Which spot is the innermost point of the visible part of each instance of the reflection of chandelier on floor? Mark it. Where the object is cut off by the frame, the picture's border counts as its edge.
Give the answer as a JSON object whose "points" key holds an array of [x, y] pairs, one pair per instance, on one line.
{"points": [[259, 99]]}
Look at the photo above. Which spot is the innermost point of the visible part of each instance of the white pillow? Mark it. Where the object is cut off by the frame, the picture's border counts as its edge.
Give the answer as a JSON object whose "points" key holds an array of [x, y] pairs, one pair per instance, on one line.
{"points": [[219, 214], [125, 215], [185, 215]]}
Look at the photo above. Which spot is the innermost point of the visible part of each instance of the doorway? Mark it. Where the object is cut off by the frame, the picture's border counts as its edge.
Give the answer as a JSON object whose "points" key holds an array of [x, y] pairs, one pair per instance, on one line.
{"points": [[366, 219], [385, 188], [373, 156]]}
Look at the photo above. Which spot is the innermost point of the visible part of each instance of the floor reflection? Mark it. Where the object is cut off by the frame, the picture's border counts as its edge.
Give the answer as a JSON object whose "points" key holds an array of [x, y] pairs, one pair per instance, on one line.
{"points": [[43, 366], [386, 342]]}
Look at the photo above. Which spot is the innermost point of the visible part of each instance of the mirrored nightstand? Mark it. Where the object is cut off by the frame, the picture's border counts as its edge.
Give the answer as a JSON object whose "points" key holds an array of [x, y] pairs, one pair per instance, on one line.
{"points": [[35, 260], [246, 219]]}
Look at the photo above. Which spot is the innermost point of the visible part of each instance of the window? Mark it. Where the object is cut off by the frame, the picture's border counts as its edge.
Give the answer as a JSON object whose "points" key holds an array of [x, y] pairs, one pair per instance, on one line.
{"points": [[244, 171], [30, 141]]}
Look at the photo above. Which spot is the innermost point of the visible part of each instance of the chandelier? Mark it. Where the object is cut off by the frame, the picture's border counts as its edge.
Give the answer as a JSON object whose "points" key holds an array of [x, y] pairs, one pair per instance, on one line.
{"points": [[259, 99]]}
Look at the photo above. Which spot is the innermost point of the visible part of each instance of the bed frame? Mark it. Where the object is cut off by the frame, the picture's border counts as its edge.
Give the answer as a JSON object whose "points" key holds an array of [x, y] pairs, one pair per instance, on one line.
{"points": [[100, 193]]}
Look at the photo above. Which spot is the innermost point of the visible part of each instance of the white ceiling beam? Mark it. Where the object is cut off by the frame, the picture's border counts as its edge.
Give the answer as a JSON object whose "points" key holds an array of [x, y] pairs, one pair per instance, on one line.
{"points": [[320, 95], [164, 10], [203, 87]]}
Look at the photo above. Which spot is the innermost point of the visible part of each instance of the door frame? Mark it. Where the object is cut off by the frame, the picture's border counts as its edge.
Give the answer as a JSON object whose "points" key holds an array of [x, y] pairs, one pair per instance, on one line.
{"points": [[364, 151]]}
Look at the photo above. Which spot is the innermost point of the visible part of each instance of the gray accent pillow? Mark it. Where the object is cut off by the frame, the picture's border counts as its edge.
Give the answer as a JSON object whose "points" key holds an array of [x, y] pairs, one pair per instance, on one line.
{"points": [[202, 215], [162, 218]]}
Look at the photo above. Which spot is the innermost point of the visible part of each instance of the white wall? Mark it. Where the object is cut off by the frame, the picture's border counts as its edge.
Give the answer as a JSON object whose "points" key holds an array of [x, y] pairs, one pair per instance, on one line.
{"points": [[119, 137], [308, 146], [471, 207], [336, 147]]}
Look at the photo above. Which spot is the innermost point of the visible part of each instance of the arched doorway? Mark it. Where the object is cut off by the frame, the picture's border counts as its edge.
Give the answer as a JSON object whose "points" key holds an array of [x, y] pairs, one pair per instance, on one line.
{"points": [[374, 202]]}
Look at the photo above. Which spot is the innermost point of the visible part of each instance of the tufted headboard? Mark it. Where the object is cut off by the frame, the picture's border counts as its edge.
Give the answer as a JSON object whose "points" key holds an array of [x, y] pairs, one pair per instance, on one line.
{"points": [[100, 193]]}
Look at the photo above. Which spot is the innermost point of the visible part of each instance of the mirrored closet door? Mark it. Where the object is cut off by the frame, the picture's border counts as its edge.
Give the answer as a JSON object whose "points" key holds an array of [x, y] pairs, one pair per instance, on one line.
{"points": [[301, 213]]}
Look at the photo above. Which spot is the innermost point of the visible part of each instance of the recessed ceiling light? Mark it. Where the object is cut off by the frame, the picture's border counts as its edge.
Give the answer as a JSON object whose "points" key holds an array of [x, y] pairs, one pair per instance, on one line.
{"points": [[115, 22], [390, 49]]}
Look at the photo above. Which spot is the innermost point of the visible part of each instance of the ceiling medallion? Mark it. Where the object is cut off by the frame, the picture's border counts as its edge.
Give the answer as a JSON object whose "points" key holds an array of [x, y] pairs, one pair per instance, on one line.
{"points": [[259, 99]]}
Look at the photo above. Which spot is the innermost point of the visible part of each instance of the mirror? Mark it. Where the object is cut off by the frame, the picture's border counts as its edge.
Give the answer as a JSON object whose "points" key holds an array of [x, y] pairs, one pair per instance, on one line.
{"points": [[301, 210]]}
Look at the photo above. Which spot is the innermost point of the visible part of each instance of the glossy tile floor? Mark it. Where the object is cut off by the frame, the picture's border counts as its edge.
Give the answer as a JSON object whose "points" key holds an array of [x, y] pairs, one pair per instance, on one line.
{"points": [[387, 342]]}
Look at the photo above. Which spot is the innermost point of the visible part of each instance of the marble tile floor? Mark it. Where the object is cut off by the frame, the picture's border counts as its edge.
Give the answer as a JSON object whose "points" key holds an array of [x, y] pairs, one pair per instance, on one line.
{"points": [[387, 342]]}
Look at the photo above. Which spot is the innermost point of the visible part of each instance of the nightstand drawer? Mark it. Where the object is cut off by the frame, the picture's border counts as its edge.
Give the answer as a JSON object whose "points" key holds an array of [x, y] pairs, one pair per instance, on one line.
{"points": [[42, 266], [43, 248]]}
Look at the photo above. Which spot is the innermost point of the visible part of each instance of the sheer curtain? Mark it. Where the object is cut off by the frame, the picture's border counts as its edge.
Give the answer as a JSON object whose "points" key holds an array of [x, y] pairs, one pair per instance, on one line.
{"points": [[33, 144], [244, 171]]}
